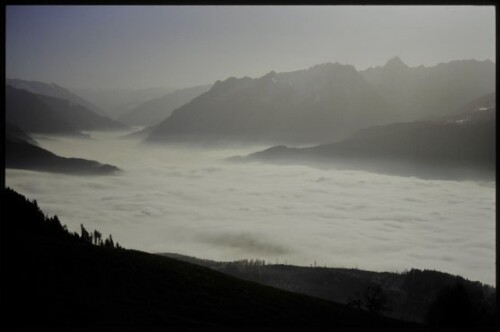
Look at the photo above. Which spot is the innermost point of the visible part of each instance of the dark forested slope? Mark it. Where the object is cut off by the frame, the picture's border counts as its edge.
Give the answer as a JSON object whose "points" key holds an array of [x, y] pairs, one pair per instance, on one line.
{"points": [[413, 295], [55, 278]]}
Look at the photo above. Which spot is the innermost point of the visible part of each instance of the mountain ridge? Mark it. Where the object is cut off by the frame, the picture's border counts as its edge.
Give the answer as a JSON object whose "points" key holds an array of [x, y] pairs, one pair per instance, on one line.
{"points": [[52, 90], [37, 113], [457, 146], [155, 110], [295, 106], [24, 152], [324, 103]]}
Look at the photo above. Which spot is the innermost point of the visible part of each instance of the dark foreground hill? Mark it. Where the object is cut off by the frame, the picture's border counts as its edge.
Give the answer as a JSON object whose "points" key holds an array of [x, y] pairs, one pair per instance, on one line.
{"points": [[23, 152], [53, 278], [413, 295], [460, 145]]}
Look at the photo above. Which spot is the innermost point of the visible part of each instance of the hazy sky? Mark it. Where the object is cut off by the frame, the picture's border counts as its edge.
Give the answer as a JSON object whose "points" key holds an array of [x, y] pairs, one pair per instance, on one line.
{"points": [[182, 46]]}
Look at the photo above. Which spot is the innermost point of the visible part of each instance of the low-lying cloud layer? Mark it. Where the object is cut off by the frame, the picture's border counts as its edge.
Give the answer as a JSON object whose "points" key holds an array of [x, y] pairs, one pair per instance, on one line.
{"points": [[191, 202]]}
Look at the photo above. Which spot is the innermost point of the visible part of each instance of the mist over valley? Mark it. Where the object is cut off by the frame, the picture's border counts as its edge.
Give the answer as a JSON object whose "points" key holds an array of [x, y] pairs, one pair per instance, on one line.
{"points": [[193, 201], [237, 166]]}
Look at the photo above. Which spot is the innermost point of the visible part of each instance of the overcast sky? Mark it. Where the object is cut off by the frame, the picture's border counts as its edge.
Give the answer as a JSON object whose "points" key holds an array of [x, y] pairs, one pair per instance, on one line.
{"points": [[182, 46]]}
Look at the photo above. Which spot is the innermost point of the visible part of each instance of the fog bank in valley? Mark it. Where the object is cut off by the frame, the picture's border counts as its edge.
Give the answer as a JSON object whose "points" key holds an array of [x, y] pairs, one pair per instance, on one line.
{"points": [[192, 202]]}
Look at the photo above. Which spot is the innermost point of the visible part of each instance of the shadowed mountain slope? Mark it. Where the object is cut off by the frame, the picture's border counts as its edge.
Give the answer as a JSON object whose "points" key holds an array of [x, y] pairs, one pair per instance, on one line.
{"points": [[23, 152], [36, 113], [156, 110], [116, 102], [420, 93], [460, 145], [15, 134], [323, 104], [320, 104], [52, 90]]}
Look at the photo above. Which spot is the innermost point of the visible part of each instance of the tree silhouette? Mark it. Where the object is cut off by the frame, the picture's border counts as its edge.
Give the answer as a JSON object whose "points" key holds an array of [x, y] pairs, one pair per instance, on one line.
{"points": [[374, 299], [85, 235], [109, 242], [97, 238]]}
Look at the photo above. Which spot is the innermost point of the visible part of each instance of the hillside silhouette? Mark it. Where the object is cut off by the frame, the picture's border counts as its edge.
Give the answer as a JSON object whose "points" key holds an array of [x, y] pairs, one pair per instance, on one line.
{"points": [[459, 145], [53, 90], [55, 278], [23, 152], [414, 295], [38, 113]]}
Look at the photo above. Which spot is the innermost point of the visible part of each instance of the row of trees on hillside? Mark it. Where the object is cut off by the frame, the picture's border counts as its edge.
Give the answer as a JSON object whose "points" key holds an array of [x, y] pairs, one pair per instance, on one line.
{"points": [[34, 221], [95, 238]]}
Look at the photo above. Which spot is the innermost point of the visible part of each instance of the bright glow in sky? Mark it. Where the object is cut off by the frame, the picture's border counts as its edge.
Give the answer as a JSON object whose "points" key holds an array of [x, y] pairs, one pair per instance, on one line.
{"points": [[182, 46]]}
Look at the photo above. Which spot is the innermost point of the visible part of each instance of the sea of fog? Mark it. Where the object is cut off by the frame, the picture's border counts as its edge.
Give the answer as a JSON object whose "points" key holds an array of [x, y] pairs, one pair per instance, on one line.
{"points": [[192, 202]]}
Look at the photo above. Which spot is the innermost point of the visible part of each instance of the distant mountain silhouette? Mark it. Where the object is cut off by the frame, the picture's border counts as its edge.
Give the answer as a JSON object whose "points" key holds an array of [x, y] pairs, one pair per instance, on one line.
{"points": [[480, 109], [15, 134], [23, 152], [140, 134], [325, 103], [52, 90], [115, 102], [59, 280], [320, 104], [423, 92], [156, 110], [459, 145], [36, 113]]}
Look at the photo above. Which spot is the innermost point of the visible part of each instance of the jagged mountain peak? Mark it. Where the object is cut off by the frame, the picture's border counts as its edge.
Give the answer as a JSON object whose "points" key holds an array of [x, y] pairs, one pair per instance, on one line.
{"points": [[271, 74], [395, 63]]}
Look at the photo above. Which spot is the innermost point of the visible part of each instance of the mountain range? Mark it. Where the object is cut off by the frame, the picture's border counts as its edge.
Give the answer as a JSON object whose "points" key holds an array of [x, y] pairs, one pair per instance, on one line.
{"points": [[156, 110], [116, 102], [53, 90], [420, 93], [24, 152], [39, 113], [323, 104], [460, 145]]}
